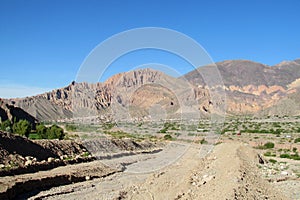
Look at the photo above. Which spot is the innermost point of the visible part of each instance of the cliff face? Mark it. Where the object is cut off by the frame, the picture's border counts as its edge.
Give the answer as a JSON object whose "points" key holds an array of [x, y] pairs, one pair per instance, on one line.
{"points": [[250, 88]]}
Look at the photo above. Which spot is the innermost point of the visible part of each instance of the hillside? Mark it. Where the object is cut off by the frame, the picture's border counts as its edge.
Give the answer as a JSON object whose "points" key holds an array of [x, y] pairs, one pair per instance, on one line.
{"points": [[8, 111], [251, 88]]}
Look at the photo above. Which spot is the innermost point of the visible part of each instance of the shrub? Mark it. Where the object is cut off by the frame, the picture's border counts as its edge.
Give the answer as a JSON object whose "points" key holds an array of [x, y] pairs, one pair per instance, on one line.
{"points": [[269, 145], [164, 130], [55, 132], [168, 137], [273, 161], [41, 131], [22, 127], [295, 156], [203, 141], [285, 155], [268, 154], [6, 126], [297, 140]]}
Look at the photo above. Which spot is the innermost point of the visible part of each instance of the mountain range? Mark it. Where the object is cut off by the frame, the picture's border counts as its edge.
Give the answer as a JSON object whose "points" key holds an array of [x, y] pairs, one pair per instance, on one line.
{"points": [[249, 88]]}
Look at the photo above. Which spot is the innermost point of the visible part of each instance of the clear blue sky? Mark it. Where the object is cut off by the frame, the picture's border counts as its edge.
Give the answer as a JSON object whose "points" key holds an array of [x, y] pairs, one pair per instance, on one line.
{"points": [[44, 42]]}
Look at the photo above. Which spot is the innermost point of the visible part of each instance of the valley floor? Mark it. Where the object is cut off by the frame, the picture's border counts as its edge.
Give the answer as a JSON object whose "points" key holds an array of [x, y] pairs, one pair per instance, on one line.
{"points": [[229, 172]]}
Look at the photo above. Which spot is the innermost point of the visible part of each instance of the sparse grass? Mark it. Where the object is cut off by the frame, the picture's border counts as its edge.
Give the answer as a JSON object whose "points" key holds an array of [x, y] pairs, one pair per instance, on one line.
{"points": [[273, 161], [81, 127], [268, 145], [269, 154], [33, 136], [122, 134], [290, 156], [168, 137]]}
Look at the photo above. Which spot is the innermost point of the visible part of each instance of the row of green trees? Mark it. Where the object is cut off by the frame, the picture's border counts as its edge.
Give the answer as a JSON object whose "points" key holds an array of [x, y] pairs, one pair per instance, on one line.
{"points": [[52, 132], [24, 128]]}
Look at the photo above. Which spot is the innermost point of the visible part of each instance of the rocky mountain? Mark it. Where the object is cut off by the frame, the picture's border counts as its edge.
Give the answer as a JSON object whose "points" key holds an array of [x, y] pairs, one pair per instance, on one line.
{"points": [[250, 88], [8, 111], [253, 87]]}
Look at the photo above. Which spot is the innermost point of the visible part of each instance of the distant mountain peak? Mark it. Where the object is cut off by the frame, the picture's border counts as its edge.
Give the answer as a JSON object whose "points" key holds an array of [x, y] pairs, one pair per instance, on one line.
{"points": [[250, 87]]}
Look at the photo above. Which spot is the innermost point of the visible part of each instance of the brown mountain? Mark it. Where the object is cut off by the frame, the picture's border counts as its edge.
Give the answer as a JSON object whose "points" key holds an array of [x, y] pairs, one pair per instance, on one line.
{"points": [[250, 87], [253, 87], [8, 111]]}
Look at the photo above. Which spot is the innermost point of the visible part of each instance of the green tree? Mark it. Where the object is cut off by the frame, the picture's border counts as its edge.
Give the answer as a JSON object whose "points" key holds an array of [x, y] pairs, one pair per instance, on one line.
{"points": [[22, 127], [6, 126], [41, 131], [55, 132]]}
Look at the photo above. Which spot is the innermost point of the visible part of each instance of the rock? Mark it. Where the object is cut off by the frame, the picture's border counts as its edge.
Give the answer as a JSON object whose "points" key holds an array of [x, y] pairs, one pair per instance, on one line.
{"points": [[28, 158], [212, 158], [206, 178], [50, 159], [28, 162], [260, 159], [87, 178], [2, 166], [285, 173]]}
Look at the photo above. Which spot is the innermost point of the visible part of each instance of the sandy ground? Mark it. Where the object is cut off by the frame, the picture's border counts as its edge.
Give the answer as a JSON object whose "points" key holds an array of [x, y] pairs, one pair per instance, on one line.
{"points": [[228, 172]]}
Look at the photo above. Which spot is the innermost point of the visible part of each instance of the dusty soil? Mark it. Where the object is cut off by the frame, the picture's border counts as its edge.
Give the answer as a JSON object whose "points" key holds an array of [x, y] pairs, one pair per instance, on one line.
{"points": [[229, 172], [10, 186], [126, 169]]}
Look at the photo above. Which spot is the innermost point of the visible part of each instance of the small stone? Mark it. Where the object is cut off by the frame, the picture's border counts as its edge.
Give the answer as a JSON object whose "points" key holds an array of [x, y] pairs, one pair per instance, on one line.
{"points": [[87, 178], [2, 166], [28, 162], [28, 158], [285, 173], [50, 159]]}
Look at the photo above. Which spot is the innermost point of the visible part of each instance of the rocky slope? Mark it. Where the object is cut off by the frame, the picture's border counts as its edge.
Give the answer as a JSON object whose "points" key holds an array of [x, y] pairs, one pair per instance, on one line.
{"points": [[251, 88], [8, 111]]}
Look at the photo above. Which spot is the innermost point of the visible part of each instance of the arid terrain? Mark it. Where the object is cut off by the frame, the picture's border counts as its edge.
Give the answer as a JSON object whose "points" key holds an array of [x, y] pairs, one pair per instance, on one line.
{"points": [[146, 135], [236, 166]]}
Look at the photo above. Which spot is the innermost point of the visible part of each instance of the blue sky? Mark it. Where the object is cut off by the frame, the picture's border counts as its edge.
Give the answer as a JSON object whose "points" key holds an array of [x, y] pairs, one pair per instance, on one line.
{"points": [[44, 42]]}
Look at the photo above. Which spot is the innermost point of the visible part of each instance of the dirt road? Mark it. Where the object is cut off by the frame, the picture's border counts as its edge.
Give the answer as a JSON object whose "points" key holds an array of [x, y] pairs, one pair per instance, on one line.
{"points": [[229, 172]]}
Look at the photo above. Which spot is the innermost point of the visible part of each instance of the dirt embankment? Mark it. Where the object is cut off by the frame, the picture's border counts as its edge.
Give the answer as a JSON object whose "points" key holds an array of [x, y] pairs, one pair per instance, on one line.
{"points": [[28, 165], [20, 155], [11, 186]]}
